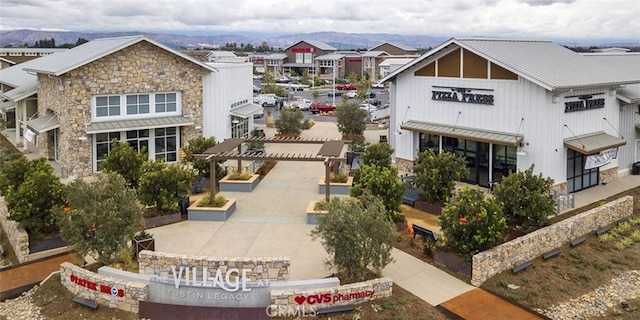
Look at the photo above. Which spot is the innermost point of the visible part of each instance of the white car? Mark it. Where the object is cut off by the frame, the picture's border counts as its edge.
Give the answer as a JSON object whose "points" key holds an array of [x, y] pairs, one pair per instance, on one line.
{"points": [[378, 85], [300, 103], [352, 94], [368, 107]]}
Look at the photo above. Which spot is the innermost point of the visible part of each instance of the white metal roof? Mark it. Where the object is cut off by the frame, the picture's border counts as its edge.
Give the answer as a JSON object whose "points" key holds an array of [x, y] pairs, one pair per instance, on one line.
{"points": [[63, 62], [23, 83], [549, 65], [374, 53], [32, 50], [318, 44], [137, 124], [276, 56], [331, 56], [389, 61], [397, 45], [624, 61]]}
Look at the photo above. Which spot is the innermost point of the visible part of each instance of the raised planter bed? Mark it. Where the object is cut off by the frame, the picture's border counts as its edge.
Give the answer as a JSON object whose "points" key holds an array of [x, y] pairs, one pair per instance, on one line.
{"points": [[335, 187], [212, 213], [453, 262], [161, 220], [239, 185], [313, 216], [428, 207]]}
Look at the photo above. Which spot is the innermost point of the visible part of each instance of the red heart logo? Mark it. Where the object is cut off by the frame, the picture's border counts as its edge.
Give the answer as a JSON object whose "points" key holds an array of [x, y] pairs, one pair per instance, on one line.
{"points": [[300, 299]]}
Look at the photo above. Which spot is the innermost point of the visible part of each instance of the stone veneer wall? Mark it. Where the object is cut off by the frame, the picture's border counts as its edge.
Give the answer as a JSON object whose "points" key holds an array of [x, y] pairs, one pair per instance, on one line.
{"points": [[350, 294], [133, 292], [16, 234], [507, 255], [139, 68], [159, 264], [404, 164], [609, 175]]}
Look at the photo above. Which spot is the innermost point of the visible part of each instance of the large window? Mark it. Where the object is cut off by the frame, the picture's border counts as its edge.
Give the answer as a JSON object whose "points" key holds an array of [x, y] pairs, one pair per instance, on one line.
{"points": [[138, 104], [579, 178], [144, 105], [239, 127], [504, 161], [104, 143], [477, 156], [429, 141], [138, 140], [166, 144], [108, 106]]}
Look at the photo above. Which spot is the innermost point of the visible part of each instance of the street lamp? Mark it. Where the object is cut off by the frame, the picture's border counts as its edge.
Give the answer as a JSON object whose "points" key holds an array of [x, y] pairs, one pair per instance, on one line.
{"points": [[333, 93]]}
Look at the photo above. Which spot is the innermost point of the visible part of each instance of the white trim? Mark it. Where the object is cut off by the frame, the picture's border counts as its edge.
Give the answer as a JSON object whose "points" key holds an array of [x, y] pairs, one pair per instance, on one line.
{"points": [[123, 107]]}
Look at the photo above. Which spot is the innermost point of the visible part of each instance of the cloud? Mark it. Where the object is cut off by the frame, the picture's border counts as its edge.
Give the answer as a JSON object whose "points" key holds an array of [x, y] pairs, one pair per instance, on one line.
{"points": [[546, 2]]}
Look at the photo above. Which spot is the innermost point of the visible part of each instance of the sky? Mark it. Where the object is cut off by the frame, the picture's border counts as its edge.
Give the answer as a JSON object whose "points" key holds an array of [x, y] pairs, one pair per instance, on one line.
{"points": [[541, 19]]}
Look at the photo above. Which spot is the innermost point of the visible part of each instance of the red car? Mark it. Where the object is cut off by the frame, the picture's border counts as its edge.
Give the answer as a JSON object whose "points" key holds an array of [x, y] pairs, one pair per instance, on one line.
{"points": [[347, 87], [321, 107]]}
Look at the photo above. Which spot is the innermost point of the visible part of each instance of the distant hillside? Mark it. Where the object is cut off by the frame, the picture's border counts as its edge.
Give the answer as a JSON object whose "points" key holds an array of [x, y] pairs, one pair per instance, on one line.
{"points": [[342, 41]]}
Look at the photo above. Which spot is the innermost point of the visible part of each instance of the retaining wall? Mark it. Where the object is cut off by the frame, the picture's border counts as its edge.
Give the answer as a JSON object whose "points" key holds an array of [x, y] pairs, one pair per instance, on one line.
{"points": [[106, 291], [507, 255], [16, 234]]}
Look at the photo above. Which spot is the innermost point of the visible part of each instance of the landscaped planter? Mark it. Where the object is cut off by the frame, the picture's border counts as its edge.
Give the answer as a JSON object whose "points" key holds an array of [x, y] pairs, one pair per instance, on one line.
{"points": [[212, 213], [161, 220], [334, 187], [428, 207], [144, 244], [453, 262], [313, 216], [239, 185]]}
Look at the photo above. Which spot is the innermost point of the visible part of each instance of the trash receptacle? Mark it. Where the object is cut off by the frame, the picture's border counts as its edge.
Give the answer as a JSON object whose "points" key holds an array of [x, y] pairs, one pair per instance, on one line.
{"points": [[635, 170]]}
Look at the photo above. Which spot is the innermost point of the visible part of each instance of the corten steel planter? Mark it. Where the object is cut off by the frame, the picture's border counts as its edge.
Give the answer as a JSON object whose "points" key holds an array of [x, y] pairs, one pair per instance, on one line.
{"points": [[452, 261], [161, 220], [428, 207], [144, 244], [212, 213], [239, 185]]}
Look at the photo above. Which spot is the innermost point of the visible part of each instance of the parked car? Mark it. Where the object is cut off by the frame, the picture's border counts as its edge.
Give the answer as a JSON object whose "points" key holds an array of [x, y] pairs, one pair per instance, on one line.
{"points": [[345, 87], [352, 94], [259, 114], [368, 107], [300, 103], [334, 93], [284, 80], [378, 85], [268, 100], [318, 107]]}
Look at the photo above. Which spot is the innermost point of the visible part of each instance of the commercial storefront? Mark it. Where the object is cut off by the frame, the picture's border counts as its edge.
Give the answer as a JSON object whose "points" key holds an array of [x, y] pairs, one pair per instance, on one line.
{"points": [[505, 105]]}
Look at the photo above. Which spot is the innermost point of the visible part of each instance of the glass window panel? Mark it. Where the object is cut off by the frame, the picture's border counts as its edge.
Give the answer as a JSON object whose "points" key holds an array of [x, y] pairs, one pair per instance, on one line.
{"points": [[144, 108], [172, 157], [143, 133], [570, 168], [144, 146], [102, 137], [102, 150], [132, 99], [160, 98], [171, 107], [160, 156], [101, 112], [114, 111], [171, 131], [132, 109], [160, 145], [114, 100], [101, 101], [577, 183], [171, 97], [159, 132], [132, 134], [143, 98], [171, 144]]}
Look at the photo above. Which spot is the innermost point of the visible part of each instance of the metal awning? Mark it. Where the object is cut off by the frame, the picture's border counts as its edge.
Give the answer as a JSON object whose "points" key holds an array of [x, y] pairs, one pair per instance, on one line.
{"points": [[45, 123], [246, 110], [480, 135], [6, 106], [298, 65], [593, 142], [138, 124], [380, 114]]}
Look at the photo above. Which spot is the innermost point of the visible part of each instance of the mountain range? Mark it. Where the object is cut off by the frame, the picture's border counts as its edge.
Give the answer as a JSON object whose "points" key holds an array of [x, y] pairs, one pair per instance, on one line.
{"points": [[340, 40]]}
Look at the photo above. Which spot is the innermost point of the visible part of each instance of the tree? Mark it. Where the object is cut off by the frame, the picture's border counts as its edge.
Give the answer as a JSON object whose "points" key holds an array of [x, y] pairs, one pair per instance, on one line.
{"points": [[383, 183], [378, 154], [126, 161], [102, 216], [350, 119], [357, 234], [473, 222], [33, 201], [315, 95], [81, 41], [290, 122], [526, 199], [199, 145], [14, 171], [435, 175], [163, 185]]}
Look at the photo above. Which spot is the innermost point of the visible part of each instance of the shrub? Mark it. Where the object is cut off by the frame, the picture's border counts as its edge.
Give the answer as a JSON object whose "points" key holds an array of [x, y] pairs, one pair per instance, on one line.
{"points": [[14, 170], [526, 199], [290, 122], [163, 185], [244, 175], [340, 177], [350, 119], [435, 175], [199, 145], [321, 205], [126, 161], [383, 183], [378, 154], [472, 223], [217, 202]]}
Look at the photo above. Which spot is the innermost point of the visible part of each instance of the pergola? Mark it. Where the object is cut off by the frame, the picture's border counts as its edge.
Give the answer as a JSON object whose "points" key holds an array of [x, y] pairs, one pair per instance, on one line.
{"points": [[231, 149]]}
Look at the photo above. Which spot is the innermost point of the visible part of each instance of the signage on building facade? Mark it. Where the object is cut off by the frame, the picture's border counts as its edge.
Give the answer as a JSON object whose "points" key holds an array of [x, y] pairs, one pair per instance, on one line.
{"points": [[457, 94], [584, 102], [303, 49], [602, 159]]}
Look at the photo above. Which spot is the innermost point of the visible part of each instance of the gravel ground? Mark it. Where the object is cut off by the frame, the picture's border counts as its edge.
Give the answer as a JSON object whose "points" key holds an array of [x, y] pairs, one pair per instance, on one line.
{"points": [[21, 308], [621, 288]]}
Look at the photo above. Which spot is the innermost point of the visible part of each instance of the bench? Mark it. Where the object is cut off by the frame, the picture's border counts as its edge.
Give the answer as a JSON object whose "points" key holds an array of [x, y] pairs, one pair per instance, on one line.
{"points": [[335, 309], [87, 303], [522, 266], [578, 241], [410, 196], [602, 230], [425, 233], [551, 254], [199, 188]]}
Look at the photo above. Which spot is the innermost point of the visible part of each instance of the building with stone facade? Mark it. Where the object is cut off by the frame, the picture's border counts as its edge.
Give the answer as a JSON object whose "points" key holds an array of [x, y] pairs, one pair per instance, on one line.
{"points": [[131, 89], [19, 55], [505, 105]]}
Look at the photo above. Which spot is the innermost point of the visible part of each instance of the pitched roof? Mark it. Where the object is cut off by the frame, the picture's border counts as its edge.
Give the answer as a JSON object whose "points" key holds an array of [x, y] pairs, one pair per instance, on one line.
{"points": [[397, 45], [544, 63], [624, 61], [24, 84], [374, 53], [318, 44], [63, 62], [389, 61]]}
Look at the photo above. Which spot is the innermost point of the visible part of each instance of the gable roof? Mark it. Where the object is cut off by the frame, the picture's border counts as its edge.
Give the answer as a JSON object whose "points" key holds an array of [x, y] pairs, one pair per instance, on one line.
{"points": [[374, 53], [318, 44], [63, 62], [24, 84], [389, 61], [397, 45], [544, 63], [625, 61]]}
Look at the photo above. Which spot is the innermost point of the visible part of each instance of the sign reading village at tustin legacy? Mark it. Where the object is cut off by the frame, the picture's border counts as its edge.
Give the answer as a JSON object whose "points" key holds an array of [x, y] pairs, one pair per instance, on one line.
{"points": [[456, 94]]}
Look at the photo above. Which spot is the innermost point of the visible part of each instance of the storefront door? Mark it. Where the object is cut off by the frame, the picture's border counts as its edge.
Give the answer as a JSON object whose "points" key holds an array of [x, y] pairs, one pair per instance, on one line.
{"points": [[577, 177], [477, 156]]}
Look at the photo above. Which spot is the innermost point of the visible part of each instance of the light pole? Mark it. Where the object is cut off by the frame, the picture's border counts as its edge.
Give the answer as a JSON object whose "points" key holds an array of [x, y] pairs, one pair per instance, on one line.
{"points": [[333, 92]]}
